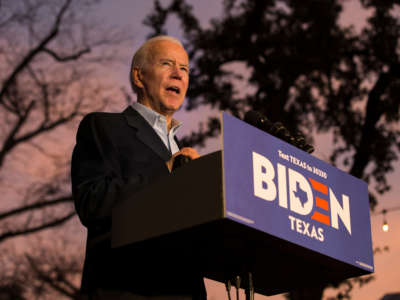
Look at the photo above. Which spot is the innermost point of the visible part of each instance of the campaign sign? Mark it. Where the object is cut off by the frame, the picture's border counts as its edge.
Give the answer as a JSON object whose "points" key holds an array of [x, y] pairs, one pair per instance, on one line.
{"points": [[281, 190]]}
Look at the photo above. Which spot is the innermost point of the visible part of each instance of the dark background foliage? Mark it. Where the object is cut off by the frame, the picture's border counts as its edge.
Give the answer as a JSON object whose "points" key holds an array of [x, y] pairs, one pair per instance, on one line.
{"points": [[302, 67]]}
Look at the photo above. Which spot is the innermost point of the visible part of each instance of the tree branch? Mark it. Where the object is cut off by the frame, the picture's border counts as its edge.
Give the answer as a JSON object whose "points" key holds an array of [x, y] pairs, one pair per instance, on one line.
{"points": [[44, 128], [53, 282], [45, 93], [29, 57], [374, 112], [33, 206], [9, 142], [68, 57], [15, 233]]}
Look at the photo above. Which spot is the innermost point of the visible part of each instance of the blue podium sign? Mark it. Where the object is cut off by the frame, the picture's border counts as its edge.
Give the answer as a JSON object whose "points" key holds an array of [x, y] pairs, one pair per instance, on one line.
{"points": [[274, 187]]}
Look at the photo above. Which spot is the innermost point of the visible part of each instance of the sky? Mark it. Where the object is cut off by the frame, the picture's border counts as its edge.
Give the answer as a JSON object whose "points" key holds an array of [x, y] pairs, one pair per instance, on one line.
{"points": [[130, 13]]}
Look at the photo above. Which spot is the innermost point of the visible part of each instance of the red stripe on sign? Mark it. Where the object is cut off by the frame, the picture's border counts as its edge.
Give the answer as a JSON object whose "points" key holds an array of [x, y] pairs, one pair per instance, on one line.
{"points": [[321, 218], [318, 186], [321, 203]]}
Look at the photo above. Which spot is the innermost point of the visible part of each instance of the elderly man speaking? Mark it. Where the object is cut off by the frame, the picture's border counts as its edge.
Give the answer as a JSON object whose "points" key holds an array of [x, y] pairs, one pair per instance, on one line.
{"points": [[120, 152]]}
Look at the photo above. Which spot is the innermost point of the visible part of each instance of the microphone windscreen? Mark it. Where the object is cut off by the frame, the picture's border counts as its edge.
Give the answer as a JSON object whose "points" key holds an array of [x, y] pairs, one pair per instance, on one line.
{"points": [[179, 161], [258, 120]]}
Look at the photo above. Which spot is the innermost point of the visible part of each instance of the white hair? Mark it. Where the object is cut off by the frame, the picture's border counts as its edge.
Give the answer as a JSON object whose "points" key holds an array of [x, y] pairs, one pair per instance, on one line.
{"points": [[140, 58]]}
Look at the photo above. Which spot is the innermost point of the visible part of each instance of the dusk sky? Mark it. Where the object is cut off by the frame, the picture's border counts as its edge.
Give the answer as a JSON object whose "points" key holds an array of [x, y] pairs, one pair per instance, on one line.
{"points": [[130, 13]]}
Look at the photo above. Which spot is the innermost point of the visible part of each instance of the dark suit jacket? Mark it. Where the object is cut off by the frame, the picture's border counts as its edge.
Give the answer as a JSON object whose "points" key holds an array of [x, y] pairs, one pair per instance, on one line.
{"points": [[115, 154]]}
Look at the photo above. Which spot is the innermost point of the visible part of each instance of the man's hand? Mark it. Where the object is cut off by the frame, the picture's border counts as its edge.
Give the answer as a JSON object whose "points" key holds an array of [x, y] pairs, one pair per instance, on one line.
{"points": [[187, 151]]}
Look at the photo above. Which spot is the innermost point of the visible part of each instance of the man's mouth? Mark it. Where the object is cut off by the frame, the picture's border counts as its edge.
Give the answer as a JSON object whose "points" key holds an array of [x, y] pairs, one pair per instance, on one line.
{"points": [[174, 89]]}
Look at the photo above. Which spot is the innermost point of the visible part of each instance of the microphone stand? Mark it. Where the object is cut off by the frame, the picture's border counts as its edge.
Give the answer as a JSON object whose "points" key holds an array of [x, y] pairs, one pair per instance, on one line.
{"points": [[237, 287], [250, 288], [228, 289]]}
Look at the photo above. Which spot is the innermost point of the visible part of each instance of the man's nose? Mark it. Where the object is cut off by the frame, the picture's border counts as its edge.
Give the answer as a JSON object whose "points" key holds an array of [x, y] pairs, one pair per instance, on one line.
{"points": [[176, 72]]}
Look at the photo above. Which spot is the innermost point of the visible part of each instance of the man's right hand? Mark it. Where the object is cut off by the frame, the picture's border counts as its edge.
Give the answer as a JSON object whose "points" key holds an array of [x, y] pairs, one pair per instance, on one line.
{"points": [[187, 151]]}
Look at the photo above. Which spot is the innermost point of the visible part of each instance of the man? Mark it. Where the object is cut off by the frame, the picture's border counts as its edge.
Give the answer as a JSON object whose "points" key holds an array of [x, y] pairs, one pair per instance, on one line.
{"points": [[120, 153]]}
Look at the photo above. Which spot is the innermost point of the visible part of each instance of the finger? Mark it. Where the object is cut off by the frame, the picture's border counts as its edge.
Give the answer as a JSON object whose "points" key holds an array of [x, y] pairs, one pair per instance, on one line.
{"points": [[191, 152]]}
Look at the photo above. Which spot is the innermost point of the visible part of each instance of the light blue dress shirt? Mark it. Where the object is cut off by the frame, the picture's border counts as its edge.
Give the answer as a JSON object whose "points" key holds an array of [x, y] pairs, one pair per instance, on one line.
{"points": [[159, 123]]}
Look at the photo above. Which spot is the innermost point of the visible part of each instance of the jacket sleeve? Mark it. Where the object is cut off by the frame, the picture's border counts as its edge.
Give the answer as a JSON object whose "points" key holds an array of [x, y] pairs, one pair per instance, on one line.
{"points": [[95, 173]]}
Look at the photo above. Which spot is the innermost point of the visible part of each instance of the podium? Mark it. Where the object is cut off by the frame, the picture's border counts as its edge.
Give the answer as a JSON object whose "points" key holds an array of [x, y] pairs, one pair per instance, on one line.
{"points": [[259, 205]]}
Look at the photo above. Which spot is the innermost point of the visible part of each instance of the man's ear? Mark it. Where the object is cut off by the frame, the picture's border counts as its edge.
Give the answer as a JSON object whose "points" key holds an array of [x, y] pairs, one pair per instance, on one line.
{"points": [[137, 77]]}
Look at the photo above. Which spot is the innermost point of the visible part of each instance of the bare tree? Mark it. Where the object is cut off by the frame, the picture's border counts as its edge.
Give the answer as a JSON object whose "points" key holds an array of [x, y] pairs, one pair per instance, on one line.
{"points": [[51, 56], [46, 272]]}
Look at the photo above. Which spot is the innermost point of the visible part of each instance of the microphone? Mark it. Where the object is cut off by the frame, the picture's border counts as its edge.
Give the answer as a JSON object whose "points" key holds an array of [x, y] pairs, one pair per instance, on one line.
{"points": [[258, 120], [300, 142], [179, 161], [277, 129]]}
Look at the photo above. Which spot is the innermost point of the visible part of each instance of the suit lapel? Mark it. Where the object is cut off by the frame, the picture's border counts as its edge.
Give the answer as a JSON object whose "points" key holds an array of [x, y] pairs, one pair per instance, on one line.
{"points": [[178, 142], [146, 133]]}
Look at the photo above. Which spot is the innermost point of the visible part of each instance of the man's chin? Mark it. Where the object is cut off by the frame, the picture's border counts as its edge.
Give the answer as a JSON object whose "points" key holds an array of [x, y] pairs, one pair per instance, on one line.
{"points": [[171, 108], [170, 111]]}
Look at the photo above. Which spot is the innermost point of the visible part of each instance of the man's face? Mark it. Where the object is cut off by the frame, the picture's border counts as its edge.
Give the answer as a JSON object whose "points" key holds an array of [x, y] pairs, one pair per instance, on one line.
{"points": [[165, 77]]}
